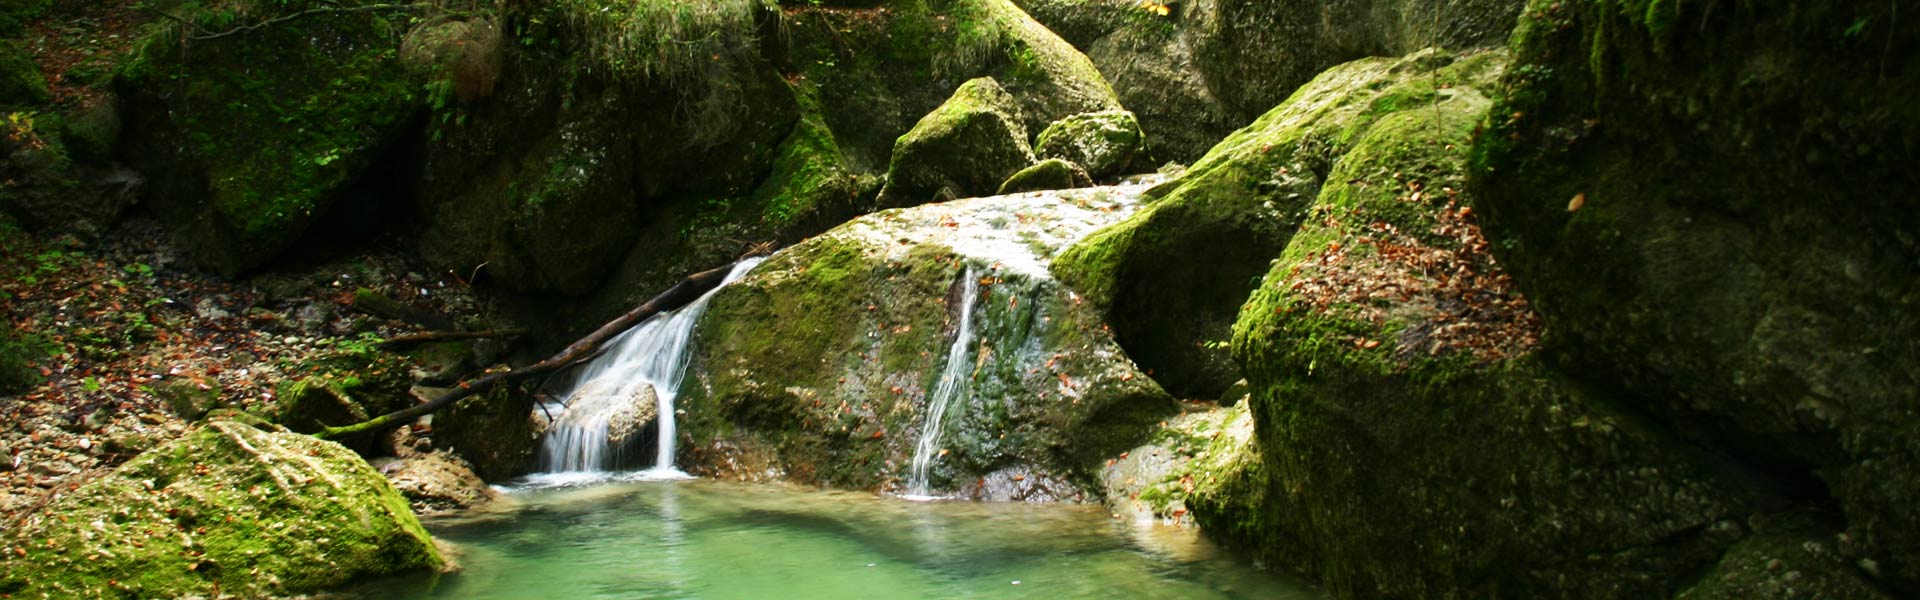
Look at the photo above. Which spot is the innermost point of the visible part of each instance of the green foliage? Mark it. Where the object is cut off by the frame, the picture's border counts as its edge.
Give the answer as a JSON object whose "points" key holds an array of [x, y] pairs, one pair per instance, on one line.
{"points": [[703, 50]]}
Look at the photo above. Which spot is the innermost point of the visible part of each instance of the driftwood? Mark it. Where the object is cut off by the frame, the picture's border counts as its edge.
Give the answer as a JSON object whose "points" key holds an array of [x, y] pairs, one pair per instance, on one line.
{"points": [[681, 294], [402, 341]]}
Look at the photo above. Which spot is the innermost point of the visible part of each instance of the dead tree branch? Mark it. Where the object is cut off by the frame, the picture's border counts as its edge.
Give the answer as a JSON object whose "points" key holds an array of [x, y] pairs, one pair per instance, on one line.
{"points": [[681, 294]]}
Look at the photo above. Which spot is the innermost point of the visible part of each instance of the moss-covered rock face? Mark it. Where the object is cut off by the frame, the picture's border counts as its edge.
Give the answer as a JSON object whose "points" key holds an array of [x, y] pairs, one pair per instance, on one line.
{"points": [[1172, 277], [653, 161], [1391, 359], [964, 149], [820, 365], [496, 432], [1050, 174], [1253, 53], [226, 510], [577, 160], [1105, 142], [250, 138], [1791, 555], [1199, 70], [20, 80], [1712, 208]]}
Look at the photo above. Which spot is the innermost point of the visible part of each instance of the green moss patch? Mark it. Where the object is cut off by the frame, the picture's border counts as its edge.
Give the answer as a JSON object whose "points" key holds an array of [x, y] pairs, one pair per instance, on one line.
{"points": [[229, 509]]}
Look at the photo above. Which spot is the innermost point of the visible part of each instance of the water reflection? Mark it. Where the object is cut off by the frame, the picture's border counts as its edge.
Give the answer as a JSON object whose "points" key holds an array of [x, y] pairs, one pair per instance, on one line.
{"points": [[709, 539]]}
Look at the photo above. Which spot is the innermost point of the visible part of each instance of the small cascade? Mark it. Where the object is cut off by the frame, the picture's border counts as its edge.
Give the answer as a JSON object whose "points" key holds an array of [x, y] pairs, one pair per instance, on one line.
{"points": [[953, 382], [606, 409]]}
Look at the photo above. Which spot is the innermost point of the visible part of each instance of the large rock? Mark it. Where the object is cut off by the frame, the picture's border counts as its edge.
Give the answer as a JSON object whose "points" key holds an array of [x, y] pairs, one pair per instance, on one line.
{"points": [[438, 481], [495, 432], [822, 363], [1104, 142], [1713, 209], [647, 171], [605, 406], [1390, 358], [964, 149], [251, 139], [1254, 53], [1202, 69], [1172, 277], [226, 510]]}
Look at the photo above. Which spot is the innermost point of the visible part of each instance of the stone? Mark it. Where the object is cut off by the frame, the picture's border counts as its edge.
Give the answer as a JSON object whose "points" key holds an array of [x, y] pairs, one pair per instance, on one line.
{"points": [[1105, 143], [438, 482], [253, 512], [827, 356], [1050, 174], [965, 148], [1746, 279]]}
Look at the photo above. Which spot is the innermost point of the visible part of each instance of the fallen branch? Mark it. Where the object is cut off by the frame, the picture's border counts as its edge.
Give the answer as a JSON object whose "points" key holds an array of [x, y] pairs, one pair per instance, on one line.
{"points": [[206, 34], [402, 341], [681, 294]]}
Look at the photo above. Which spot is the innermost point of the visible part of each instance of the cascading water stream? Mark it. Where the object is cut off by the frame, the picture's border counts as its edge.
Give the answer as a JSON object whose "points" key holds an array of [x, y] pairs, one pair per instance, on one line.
{"points": [[953, 382], [651, 355]]}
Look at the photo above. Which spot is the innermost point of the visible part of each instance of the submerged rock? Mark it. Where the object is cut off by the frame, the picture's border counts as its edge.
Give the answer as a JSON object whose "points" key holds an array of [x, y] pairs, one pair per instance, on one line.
{"points": [[963, 149], [228, 509], [827, 355]]}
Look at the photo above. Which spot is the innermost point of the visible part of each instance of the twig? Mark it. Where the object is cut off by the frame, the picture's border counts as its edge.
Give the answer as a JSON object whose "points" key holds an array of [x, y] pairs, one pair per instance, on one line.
{"points": [[333, 9], [446, 336]]}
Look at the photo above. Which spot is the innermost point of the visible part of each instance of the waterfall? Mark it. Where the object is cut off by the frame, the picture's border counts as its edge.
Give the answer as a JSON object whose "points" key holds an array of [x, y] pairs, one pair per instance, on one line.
{"points": [[953, 380], [650, 357]]}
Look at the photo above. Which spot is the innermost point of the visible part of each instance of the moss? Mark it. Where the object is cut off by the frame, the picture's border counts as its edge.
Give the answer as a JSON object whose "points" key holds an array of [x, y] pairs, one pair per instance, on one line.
{"points": [[247, 160], [1172, 312], [810, 174], [227, 509], [826, 357], [965, 148], [1105, 142], [1050, 174], [1722, 296], [20, 82]]}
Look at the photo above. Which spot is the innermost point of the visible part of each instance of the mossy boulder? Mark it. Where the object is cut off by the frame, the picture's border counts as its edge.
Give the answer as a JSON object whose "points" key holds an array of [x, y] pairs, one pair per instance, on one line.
{"points": [[1050, 174], [57, 176], [252, 138], [21, 84], [1790, 555], [1254, 53], [822, 363], [1711, 208], [229, 509], [1172, 277], [1105, 143], [495, 432], [1391, 358], [964, 149]]}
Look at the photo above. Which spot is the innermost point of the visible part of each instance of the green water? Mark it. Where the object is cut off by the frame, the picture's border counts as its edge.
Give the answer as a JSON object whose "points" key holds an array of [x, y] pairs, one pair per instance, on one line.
{"points": [[709, 539]]}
